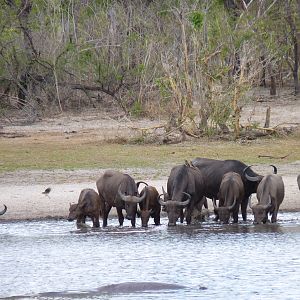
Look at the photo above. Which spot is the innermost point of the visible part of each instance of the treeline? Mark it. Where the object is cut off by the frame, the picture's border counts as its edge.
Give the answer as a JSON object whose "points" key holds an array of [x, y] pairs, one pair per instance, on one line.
{"points": [[147, 56]]}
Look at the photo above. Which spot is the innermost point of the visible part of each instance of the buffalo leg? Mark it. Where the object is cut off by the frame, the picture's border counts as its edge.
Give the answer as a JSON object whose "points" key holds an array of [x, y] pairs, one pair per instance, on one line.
{"points": [[274, 215], [157, 219], [181, 216], [189, 211], [133, 222], [244, 205], [96, 223], [235, 216], [105, 215], [120, 216]]}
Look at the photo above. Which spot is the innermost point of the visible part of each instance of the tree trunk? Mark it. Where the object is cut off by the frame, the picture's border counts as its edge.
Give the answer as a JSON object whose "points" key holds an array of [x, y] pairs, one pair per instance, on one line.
{"points": [[263, 76], [268, 116], [294, 37], [30, 51]]}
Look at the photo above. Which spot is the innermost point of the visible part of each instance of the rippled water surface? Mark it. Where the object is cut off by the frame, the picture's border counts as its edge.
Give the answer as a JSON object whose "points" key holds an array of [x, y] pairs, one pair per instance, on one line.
{"points": [[212, 261]]}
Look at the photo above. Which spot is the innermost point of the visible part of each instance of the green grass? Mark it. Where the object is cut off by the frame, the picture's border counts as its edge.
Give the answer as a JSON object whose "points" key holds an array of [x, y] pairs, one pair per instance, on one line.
{"points": [[24, 154]]}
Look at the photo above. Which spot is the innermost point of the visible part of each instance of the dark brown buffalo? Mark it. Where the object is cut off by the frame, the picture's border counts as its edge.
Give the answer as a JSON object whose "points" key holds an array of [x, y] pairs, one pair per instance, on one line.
{"points": [[150, 206], [119, 190], [184, 189], [88, 206], [270, 194], [230, 196], [213, 171], [4, 210]]}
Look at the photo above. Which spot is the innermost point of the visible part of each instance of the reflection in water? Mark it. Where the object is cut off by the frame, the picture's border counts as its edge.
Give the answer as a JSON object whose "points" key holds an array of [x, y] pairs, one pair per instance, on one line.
{"points": [[234, 261]]}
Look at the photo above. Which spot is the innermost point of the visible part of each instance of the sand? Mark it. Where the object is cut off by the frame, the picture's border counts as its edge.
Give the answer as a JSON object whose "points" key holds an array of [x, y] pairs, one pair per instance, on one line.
{"points": [[22, 191]]}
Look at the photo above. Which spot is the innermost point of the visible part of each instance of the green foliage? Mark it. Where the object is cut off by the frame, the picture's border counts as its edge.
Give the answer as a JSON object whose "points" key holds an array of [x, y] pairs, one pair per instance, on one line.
{"points": [[136, 109], [164, 88], [196, 18], [220, 111]]}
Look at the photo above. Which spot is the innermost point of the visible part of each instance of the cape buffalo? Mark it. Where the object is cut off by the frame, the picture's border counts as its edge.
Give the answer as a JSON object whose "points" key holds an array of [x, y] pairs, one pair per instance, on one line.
{"points": [[184, 189], [150, 206], [270, 194], [119, 190], [88, 206], [2, 212], [230, 196], [213, 172]]}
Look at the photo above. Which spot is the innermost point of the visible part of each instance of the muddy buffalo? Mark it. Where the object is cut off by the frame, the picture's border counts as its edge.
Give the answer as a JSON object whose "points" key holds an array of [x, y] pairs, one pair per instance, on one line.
{"points": [[213, 171], [2, 212], [119, 190], [150, 206], [230, 196], [270, 194], [184, 190], [88, 206]]}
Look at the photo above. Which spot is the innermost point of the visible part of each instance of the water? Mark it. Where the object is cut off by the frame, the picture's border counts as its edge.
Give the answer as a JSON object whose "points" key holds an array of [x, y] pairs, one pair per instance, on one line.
{"points": [[212, 261]]}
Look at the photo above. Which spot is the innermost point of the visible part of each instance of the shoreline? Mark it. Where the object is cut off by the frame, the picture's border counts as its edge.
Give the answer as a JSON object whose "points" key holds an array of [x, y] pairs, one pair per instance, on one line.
{"points": [[25, 201]]}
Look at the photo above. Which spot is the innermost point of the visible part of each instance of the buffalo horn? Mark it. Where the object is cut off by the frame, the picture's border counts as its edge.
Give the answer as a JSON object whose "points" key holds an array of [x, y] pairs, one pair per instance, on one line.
{"points": [[275, 169], [4, 210], [171, 202], [250, 178], [133, 199], [233, 205], [139, 182], [162, 202], [165, 194], [186, 202], [269, 205]]}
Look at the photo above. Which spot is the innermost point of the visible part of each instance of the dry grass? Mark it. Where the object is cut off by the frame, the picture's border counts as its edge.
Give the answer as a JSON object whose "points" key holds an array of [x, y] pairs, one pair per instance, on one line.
{"points": [[86, 151]]}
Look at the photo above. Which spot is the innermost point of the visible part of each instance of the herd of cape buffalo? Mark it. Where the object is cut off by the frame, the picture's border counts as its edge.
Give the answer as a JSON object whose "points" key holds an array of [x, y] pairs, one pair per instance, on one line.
{"points": [[231, 182]]}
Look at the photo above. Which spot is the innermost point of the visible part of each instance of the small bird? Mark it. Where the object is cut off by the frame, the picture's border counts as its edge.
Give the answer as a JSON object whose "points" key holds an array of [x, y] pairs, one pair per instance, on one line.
{"points": [[47, 191]]}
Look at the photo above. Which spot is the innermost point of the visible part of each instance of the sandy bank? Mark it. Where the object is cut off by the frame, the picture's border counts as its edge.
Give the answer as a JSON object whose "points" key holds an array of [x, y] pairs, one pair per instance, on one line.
{"points": [[22, 192]]}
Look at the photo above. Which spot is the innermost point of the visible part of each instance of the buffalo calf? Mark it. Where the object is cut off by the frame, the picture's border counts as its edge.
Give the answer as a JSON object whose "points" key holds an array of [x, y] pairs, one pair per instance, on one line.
{"points": [[270, 194], [150, 206], [88, 206], [230, 197]]}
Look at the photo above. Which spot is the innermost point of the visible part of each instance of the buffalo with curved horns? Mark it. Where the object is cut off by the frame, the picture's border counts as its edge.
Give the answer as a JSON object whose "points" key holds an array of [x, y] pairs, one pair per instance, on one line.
{"points": [[184, 189], [213, 171], [88, 206], [119, 190], [150, 206], [270, 194], [4, 210], [230, 196]]}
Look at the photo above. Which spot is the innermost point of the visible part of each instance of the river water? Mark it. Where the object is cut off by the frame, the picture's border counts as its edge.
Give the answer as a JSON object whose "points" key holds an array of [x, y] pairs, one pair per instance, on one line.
{"points": [[53, 260]]}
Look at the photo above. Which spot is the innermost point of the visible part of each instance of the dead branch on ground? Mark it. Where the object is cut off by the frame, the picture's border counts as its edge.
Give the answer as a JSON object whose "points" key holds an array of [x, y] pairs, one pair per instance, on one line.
{"points": [[274, 157]]}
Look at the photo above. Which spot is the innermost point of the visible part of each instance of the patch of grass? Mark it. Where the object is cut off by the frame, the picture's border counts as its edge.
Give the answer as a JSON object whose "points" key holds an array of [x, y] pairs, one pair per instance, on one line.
{"points": [[26, 154]]}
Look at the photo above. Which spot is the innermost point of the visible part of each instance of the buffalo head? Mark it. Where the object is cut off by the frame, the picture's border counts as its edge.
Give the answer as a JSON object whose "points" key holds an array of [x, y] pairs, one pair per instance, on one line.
{"points": [[260, 211], [145, 216], [4, 210], [130, 203], [224, 212], [174, 208], [72, 212]]}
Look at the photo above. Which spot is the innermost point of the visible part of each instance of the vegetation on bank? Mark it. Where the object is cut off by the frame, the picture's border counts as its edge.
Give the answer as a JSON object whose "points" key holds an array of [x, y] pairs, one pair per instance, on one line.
{"points": [[20, 154], [187, 60]]}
